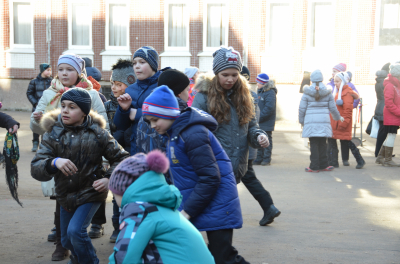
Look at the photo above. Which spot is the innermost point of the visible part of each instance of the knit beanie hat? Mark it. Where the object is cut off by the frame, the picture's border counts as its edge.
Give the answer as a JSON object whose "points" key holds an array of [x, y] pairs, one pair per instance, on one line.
{"points": [[175, 80], [80, 97], [191, 71], [161, 103], [395, 70], [44, 66], [74, 60], [341, 67], [130, 169], [316, 76], [122, 71], [226, 58], [245, 72], [262, 78], [149, 54], [386, 67], [345, 80]]}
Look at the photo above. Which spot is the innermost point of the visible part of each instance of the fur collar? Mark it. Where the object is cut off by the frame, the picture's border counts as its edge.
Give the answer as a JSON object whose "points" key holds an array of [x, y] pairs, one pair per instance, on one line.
{"points": [[268, 86], [51, 119], [323, 90], [204, 81]]}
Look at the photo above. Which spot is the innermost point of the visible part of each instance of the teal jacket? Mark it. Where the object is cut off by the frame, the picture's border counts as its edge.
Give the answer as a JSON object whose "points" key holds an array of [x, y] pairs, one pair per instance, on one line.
{"points": [[149, 214]]}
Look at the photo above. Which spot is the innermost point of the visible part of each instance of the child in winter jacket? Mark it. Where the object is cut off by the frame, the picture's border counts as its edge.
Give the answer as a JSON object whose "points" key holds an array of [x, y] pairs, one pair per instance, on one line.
{"points": [[200, 169], [192, 73], [344, 99], [315, 105], [267, 104], [71, 152], [35, 92], [152, 229]]}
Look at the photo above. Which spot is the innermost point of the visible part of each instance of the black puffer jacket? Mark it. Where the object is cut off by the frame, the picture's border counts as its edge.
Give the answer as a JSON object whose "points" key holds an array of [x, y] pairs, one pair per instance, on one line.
{"points": [[380, 104], [84, 146], [7, 121], [36, 88]]}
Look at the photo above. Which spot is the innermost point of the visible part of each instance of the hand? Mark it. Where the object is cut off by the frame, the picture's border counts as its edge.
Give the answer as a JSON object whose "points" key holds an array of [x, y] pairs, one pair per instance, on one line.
{"points": [[341, 119], [66, 166], [263, 141], [125, 101], [185, 214], [13, 130], [37, 116], [132, 114], [101, 185]]}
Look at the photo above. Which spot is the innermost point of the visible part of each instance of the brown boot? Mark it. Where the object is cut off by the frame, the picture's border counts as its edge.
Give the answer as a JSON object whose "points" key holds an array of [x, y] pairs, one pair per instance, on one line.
{"points": [[388, 158], [60, 253], [381, 156]]}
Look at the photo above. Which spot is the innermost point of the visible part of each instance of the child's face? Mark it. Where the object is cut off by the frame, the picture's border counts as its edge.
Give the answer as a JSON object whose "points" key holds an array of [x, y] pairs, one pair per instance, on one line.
{"points": [[46, 73], [118, 199], [185, 94], [259, 85], [337, 82], [227, 78], [159, 124], [67, 75], [71, 114], [334, 72], [196, 75], [142, 69], [118, 88]]}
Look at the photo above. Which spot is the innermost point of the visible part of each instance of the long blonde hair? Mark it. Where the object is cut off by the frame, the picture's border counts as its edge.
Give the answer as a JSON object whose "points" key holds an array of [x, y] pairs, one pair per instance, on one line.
{"points": [[241, 98]]}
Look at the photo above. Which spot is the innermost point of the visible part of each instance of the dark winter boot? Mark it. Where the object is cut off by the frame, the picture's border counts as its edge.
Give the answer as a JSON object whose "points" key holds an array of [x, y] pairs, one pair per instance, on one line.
{"points": [[346, 163], [96, 231], [115, 233], [35, 146], [60, 253], [73, 260], [269, 215], [357, 156], [52, 237]]}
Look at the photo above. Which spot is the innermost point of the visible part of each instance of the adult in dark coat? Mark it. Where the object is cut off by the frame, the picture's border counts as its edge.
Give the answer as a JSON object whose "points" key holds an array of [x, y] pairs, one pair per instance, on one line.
{"points": [[380, 104], [35, 92], [8, 123]]}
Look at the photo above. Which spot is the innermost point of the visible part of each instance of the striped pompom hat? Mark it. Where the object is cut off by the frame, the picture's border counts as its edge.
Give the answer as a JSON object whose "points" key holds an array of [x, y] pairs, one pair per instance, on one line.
{"points": [[161, 103], [262, 78]]}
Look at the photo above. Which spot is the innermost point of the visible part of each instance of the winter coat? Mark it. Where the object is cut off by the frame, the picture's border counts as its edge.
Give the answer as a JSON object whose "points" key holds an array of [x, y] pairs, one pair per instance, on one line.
{"points": [[391, 111], [48, 96], [139, 92], [122, 136], [314, 115], [84, 146], [342, 130], [267, 105], [92, 71], [253, 151], [380, 104], [235, 139], [332, 84], [202, 172], [36, 88], [149, 212], [192, 92], [7, 121]]}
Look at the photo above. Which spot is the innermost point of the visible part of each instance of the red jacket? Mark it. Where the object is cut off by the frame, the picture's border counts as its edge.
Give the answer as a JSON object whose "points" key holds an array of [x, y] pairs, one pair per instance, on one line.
{"points": [[391, 111]]}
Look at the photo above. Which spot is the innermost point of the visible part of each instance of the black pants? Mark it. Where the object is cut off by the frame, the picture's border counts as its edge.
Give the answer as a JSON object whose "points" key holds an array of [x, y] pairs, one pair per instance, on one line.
{"points": [[35, 137], [256, 188], [220, 246], [318, 157], [344, 147], [99, 217], [265, 154], [382, 134], [116, 214]]}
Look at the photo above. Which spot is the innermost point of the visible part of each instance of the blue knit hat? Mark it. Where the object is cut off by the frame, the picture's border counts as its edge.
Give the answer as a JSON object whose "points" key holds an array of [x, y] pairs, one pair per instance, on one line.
{"points": [[262, 78], [80, 97], [149, 54], [74, 60], [161, 103]]}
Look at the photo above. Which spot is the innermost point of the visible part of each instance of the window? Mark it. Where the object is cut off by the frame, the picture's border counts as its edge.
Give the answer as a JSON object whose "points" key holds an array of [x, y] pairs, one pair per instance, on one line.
{"points": [[322, 24], [177, 31], [215, 24], [80, 25], [22, 24], [389, 26], [280, 27], [117, 25]]}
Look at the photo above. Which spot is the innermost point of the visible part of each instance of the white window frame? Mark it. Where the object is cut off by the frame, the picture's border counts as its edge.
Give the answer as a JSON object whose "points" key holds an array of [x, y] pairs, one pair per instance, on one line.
{"points": [[11, 19], [166, 25], [89, 12], [378, 27], [122, 48], [309, 38], [205, 4], [268, 24]]}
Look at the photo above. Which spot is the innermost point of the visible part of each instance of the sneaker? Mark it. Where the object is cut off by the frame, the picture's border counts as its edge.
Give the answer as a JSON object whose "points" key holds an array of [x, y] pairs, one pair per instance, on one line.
{"points": [[52, 236], [114, 236], [96, 231], [330, 168], [35, 146], [310, 170]]}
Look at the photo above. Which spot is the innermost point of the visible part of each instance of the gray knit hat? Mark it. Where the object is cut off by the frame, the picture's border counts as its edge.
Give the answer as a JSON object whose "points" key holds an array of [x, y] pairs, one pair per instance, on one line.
{"points": [[122, 71], [226, 58], [395, 70]]}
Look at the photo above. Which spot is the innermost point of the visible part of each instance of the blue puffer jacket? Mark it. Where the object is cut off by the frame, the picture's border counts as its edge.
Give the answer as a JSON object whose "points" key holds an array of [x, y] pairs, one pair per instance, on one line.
{"points": [[203, 173], [267, 104], [138, 91]]}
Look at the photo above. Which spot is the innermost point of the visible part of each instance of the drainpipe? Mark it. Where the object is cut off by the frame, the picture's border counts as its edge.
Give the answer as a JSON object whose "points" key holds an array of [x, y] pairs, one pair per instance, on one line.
{"points": [[48, 30]]}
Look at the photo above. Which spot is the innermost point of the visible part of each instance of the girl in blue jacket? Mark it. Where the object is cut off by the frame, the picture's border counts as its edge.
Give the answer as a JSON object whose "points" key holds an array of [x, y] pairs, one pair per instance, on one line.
{"points": [[200, 169]]}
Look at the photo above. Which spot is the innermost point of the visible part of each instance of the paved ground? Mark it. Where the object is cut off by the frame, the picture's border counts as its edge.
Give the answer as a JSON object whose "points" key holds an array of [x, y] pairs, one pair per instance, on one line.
{"points": [[344, 216]]}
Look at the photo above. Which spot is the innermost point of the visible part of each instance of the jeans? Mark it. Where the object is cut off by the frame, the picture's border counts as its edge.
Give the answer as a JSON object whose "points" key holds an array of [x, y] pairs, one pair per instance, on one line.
{"points": [[74, 234], [99, 217], [265, 154], [35, 137], [220, 246], [318, 157]]}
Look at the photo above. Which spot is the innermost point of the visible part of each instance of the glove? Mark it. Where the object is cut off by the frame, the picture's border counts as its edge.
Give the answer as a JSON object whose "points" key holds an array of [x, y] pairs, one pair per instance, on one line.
{"points": [[341, 119]]}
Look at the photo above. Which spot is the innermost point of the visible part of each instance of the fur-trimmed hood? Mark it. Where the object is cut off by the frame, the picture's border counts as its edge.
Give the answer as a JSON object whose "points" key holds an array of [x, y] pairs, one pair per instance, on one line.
{"points": [[53, 118], [204, 81], [268, 86], [323, 90]]}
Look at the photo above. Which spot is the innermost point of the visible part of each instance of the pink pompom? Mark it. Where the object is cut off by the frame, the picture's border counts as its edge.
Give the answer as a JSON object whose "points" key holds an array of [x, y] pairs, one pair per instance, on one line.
{"points": [[157, 161]]}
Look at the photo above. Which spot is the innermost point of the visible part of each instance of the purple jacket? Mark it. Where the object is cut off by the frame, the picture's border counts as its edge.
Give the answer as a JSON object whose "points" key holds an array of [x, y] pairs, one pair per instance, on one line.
{"points": [[332, 84]]}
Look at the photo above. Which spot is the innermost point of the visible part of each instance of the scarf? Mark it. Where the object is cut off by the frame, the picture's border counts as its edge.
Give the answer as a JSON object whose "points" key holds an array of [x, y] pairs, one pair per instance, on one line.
{"points": [[57, 87]]}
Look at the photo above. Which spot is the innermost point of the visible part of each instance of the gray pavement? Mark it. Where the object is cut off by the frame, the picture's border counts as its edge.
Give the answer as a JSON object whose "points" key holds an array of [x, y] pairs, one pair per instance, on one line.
{"points": [[344, 216]]}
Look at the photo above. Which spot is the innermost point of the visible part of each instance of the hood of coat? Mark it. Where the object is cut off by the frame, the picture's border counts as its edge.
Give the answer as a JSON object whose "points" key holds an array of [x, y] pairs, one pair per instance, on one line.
{"points": [[391, 80], [151, 187], [381, 74], [53, 119], [323, 90], [270, 85], [203, 82], [95, 84]]}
